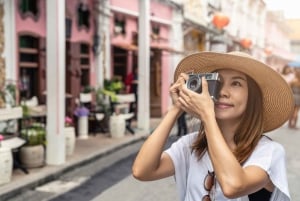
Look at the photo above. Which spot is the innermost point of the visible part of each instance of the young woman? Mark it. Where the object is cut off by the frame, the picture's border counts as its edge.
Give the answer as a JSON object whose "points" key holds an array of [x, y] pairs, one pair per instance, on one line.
{"points": [[229, 158]]}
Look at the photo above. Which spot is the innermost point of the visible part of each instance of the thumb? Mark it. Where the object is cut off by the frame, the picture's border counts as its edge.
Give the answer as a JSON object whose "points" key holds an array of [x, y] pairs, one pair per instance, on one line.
{"points": [[204, 85]]}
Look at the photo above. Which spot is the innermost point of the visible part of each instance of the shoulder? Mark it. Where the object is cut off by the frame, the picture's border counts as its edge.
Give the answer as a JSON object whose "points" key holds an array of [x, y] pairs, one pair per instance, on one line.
{"points": [[267, 143], [265, 153]]}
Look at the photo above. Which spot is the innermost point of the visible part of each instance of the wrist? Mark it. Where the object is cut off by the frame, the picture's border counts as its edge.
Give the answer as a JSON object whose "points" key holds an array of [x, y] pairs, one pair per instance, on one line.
{"points": [[175, 110]]}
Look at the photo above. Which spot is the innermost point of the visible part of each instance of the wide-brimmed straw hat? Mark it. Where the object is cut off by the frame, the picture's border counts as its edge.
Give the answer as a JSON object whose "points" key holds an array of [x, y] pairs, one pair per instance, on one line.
{"points": [[278, 101]]}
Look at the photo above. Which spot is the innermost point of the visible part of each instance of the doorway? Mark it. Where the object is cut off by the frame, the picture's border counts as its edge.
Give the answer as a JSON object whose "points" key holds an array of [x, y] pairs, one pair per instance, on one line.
{"points": [[155, 83]]}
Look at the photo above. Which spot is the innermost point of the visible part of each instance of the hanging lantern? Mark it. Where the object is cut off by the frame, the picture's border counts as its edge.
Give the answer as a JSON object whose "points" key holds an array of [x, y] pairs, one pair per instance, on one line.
{"points": [[220, 20], [246, 43], [268, 51]]}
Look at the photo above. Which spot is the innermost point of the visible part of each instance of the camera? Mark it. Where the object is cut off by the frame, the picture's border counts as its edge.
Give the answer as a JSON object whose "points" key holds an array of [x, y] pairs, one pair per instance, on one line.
{"points": [[194, 83]]}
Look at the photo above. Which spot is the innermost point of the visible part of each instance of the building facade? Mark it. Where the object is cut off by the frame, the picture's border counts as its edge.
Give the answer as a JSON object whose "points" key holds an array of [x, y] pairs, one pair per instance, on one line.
{"points": [[55, 49]]}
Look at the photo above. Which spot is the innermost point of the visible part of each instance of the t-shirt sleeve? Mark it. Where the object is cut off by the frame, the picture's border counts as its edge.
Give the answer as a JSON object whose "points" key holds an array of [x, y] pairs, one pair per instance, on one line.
{"points": [[180, 152], [270, 156]]}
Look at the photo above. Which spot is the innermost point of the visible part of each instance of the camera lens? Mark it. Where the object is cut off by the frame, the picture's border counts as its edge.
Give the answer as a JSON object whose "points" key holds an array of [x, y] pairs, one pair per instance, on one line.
{"points": [[194, 83]]}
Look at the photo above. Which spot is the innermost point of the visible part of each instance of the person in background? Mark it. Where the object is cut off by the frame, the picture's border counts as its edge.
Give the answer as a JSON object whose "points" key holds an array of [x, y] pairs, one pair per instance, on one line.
{"points": [[181, 125], [295, 86], [131, 83], [229, 158], [288, 73]]}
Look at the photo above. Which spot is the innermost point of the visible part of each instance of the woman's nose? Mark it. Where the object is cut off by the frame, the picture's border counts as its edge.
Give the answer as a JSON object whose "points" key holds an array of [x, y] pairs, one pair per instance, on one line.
{"points": [[223, 91]]}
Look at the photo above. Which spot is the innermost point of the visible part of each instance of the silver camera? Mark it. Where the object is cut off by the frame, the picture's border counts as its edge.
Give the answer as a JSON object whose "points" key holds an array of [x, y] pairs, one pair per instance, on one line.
{"points": [[194, 83]]}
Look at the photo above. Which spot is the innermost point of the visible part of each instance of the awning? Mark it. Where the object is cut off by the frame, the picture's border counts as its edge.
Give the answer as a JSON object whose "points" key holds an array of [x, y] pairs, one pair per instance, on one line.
{"points": [[167, 49], [126, 46], [132, 47]]}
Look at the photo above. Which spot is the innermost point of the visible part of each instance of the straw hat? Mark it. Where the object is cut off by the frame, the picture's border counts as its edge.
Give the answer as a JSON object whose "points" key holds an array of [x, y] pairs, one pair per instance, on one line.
{"points": [[278, 101]]}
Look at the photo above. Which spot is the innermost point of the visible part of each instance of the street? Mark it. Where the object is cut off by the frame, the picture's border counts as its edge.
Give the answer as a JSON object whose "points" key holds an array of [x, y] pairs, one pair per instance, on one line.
{"points": [[109, 178], [129, 189]]}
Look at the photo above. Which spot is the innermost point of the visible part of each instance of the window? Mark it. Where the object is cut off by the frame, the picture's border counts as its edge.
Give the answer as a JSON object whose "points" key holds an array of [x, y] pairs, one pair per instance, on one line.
{"points": [[28, 51], [120, 25], [29, 8], [28, 65], [83, 14], [85, 64]]}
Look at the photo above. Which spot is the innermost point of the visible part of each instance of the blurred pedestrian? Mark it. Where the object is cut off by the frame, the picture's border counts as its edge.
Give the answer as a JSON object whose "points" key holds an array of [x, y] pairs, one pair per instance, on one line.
{"points": [[230, 158], [131, 83], [295, 85], [181, 125], [288, 73]]}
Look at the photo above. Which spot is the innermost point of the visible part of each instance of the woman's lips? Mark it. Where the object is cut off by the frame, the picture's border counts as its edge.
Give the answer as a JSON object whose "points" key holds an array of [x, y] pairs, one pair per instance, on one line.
{"points": [[222, 105]]}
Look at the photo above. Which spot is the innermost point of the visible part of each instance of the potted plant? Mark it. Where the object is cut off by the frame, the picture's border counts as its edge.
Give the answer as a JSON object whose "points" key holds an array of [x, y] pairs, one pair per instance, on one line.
{"points": [[69, 132], [117, 123], [32, 154], [88, 89]]}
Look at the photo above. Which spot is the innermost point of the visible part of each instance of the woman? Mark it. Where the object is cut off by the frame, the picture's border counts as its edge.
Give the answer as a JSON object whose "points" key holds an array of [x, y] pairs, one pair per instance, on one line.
{"points": [[229, 158], [288, 73], [295, 85]]}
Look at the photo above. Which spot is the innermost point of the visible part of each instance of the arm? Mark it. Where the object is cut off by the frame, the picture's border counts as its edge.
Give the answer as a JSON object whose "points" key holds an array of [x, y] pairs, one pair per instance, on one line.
{"points": [[234, 180], [151, 163]]}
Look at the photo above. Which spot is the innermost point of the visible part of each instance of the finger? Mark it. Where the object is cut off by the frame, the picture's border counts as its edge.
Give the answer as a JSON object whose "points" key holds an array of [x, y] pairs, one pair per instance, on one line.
{"points": [[183, 103], [182, 78], [175, 85], [204, 85], [186, 91]]}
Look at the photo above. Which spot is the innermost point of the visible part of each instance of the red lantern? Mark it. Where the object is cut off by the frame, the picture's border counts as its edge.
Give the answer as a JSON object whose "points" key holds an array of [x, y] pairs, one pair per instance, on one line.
{"points": [[246, 43], [220, 20]]}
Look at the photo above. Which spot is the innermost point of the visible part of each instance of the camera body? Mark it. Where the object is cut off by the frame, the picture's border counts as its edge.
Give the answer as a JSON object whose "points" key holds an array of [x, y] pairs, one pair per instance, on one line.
{"points": [[194, 83]]}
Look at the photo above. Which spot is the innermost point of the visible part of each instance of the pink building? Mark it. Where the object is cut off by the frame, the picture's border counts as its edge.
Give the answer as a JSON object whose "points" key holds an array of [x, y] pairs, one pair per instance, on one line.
{"points": [[31, 48], [81, 29], [124, 46]]}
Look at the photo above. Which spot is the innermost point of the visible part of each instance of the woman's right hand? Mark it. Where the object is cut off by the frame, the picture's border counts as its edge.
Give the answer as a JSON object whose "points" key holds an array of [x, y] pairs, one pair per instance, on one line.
{"points": [[174, 89]]}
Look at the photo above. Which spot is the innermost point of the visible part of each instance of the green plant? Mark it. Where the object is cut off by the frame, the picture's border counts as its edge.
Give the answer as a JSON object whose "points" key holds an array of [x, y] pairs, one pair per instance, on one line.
{"points": [[88, 89], [102, 103], [25, 111], [8, 93], [114, 85], [107, 94], [34, 134], [11, 89]]}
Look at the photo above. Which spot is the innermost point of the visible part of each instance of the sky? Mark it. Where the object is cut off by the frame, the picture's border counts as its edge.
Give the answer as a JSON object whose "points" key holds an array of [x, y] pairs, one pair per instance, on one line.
{"points": [[290, 7]]}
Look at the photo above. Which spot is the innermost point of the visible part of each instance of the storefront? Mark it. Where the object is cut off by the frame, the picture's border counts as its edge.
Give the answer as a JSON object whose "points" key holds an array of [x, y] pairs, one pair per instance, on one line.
{"points": [[31, 49], [124, 47]]}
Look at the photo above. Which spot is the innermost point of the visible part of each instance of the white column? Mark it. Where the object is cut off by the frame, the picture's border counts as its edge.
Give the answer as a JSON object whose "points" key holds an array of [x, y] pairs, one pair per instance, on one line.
{"points": [[55, 154], [144, 66], [10, 42], [103, 58], [178, 43]]}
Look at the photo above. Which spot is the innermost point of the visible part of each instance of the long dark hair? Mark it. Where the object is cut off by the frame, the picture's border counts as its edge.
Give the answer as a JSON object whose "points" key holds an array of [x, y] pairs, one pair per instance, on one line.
{"points": [[249, 130]]}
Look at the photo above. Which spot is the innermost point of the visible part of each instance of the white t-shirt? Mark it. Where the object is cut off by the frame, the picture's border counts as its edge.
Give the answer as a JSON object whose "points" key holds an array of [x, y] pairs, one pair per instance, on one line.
{"points": [[190, 172]]}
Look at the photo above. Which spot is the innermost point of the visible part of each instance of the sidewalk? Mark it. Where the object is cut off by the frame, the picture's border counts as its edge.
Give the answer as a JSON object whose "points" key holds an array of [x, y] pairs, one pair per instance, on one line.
{"points": [[85, 151]]}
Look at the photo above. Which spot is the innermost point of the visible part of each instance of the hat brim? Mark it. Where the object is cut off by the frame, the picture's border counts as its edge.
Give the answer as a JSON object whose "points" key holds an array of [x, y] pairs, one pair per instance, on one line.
{"points": [[278, 101]]}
